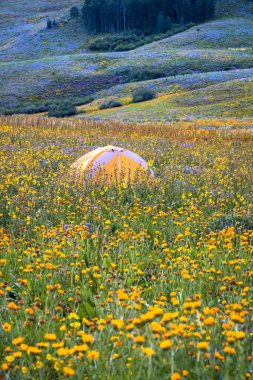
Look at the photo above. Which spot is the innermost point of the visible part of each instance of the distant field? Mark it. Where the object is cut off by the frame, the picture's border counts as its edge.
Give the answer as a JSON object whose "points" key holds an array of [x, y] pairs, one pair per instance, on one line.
{"points": [[88, 73], [232, 98], [212, 54], [170, 85]]}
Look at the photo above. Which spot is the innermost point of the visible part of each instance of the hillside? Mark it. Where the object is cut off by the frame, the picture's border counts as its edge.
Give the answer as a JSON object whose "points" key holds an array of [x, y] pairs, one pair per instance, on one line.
{"points": [[234, 32], [234, 8], [24, 34], [217, 54], [232, 98]]}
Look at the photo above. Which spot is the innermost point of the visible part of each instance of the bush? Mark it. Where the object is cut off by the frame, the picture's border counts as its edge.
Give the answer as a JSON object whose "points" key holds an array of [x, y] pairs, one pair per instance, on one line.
{"points": [[62, 111], [45, 105], [74, 12], [49, 24], [80, 101], [5, 111], [130, 40], [111, 104], [143, 94], [143, 73], [115, 42]]}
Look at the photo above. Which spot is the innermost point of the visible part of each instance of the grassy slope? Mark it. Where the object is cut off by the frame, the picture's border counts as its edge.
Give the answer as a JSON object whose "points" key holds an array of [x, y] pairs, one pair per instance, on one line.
{"points": [[23, 29], [229, 33], [212, 94], [87, 73], [230, 8], [176, 84], [212, 54], [223, 100]]}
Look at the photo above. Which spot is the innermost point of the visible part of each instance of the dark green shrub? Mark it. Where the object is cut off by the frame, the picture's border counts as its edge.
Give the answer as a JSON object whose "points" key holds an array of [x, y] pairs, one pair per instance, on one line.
{"points": [[143, 94], [74, 12], [101, 43], [111, 104], [81, 101], [61, 111], [49, 24], [138, 74], [45, 105], [6, 111], [132, 40]]}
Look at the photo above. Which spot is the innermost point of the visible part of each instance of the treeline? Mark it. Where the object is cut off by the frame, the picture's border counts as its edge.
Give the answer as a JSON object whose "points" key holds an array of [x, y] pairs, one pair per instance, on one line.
{"points": [[147, 16]]}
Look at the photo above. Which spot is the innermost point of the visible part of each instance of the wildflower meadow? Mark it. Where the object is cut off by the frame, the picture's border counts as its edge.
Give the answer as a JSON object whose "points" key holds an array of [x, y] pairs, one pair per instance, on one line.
{"points": [[130, 281]]}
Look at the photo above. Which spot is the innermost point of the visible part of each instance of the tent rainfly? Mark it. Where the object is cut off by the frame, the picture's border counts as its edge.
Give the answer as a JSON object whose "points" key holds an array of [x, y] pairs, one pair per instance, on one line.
{"points": [[111, 162]]}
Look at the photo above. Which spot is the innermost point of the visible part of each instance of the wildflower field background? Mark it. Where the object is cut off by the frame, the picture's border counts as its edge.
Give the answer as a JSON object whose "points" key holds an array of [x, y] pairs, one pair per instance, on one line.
{"points": [[39, 65], [142, 282]]}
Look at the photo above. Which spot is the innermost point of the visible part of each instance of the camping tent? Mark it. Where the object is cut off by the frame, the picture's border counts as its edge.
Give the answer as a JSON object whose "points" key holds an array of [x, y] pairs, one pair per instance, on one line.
{"points": [[111, 163]]}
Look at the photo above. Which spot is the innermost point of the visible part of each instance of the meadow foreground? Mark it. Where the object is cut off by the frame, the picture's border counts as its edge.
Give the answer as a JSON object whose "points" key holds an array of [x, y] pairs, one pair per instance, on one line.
{"points": [[141, 282]]}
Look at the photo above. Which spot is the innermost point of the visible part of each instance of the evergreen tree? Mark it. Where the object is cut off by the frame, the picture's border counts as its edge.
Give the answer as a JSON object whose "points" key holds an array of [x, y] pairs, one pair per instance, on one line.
{"points": [[74, 12], [49, 24], [146, 16]]}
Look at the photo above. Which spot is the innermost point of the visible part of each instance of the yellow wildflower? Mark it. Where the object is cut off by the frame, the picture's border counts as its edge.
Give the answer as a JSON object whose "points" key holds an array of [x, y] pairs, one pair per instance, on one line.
{"points": [[148, 351], [93, 355]]}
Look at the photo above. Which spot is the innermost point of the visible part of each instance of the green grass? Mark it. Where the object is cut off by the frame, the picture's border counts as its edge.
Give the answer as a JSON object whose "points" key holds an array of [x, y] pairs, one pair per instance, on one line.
{"points": [[231, 99], [126, 282], [233, 32], [82, 75]]}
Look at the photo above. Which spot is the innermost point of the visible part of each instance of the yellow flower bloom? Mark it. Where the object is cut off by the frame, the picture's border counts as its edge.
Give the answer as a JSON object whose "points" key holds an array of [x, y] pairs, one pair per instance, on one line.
{"points": [[118, 323], [210, 321], [9, 359], [43, 344], [5, 366], [75, 325], [240, 335], [130, 326], [175, 376], [17, 341], [81, 348], [93, 355], [24, 370], [50, 336], [63, 351], [148, 351], [68, 371], [156, 327], [165, 344], [139, 339], [23, 347], [229, 350], [33, 350], [203, 345], [58, 344], [17, 354], [73, 316], [13, 306], [87, 338], [6, 327], [169, 316]]}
